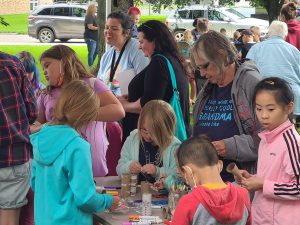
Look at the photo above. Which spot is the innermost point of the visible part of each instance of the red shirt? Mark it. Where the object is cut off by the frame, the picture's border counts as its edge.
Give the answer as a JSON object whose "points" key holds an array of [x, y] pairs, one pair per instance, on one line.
{"points": [[18, 108]]}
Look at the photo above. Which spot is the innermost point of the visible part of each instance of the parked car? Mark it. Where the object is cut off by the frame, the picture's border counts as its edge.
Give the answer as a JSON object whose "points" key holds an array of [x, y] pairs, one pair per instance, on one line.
{"points": [[181, 19], [57, 21]]}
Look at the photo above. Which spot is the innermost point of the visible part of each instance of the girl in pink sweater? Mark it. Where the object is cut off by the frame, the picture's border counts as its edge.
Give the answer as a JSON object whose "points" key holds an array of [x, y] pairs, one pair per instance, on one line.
{"points": [[276, 184]]}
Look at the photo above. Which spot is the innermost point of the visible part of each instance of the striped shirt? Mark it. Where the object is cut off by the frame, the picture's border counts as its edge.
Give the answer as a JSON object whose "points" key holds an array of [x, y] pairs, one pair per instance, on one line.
{"points": [[18, 109]]}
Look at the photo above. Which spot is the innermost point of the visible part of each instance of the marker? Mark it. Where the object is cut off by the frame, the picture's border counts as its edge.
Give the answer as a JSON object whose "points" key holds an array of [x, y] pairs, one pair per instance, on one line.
{"points": [[113, 193], [149, 219], [112, 188], [136, 223]]}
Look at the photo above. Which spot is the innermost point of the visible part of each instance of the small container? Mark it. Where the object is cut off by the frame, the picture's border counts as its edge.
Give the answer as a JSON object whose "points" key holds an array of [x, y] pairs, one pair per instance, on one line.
{"points": [[146, 204]]}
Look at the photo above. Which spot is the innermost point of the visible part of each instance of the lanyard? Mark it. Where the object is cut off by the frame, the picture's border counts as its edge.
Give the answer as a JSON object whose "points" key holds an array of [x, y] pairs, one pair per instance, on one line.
{"points": [[113, 66]]}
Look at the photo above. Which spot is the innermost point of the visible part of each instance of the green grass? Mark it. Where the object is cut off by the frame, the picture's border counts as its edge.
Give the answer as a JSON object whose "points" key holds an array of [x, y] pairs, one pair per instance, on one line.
{"points": [[18, 23], [161, 18], [36, 51]]}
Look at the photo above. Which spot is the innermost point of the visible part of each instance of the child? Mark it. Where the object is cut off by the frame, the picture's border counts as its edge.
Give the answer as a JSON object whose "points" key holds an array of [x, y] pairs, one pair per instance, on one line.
{"points": [[32, 71], [135, 15], [62, 178], [190, 72], [149, 150], [61, 65], [276, 184], [211, 200]]}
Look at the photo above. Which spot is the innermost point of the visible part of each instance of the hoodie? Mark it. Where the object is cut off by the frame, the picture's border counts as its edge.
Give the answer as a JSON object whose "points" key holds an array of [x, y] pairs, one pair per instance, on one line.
{"points": [[293, 36], [62, 180], [230, 205], [242, 148]]}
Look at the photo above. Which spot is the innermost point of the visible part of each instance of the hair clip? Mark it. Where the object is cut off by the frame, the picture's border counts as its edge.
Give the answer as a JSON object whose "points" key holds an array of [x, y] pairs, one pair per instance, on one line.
{"points": [[270, 82]]}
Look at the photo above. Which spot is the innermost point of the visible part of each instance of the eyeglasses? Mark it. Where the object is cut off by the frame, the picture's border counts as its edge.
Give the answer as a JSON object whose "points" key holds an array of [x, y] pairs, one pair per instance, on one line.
{"points": [[204, 67]]}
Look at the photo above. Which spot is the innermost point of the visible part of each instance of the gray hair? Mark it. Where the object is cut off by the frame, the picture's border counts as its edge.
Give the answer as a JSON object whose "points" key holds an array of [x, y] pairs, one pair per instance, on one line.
{"points": [[278, 28]]}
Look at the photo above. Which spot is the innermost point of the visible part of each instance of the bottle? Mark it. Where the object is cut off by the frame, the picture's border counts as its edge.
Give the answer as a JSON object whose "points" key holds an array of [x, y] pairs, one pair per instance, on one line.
{"points": [[146, 204]]}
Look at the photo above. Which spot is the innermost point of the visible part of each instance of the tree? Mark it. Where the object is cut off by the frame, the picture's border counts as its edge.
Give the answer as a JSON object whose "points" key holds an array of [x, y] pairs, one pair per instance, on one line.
{"points": [[272, 6]]}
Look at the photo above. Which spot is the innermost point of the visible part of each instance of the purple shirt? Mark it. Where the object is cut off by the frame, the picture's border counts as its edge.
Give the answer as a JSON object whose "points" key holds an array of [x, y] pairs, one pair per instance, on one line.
{"points": [[93, 132]]}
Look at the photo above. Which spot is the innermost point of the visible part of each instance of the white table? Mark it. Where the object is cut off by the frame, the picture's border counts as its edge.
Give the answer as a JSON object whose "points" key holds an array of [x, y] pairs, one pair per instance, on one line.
{"points": [[107, 218]]}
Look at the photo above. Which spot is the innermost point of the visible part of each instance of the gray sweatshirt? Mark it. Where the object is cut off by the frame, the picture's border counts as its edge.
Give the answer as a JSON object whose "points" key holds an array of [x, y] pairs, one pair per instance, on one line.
{"points": [[242, 148]]}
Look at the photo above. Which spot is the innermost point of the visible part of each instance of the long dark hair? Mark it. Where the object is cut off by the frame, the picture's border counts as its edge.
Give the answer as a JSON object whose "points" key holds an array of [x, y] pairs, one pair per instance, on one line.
{"points": [[157, 32]]}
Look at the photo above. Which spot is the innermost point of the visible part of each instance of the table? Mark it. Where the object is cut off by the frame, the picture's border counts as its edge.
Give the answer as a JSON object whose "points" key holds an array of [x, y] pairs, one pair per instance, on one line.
{"points": [[107, 218]]}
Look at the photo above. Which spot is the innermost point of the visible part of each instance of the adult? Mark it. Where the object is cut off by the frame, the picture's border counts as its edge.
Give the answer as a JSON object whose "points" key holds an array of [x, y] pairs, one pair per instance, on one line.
{"points": [[223, 110], [276, 57], [135, 15], [248, 42], [32, 71], [256, 33], [288, 15], [91, 33], [61, 65], [154, 82], [124, 55], [18, 109], [194, 31]]}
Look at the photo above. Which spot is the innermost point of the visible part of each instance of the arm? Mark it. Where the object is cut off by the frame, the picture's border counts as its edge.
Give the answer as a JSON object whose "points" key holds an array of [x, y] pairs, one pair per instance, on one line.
{"points": [[79, 170], [90, 23], [91, 26], [110, 107], [287, 188], [126, 156], [29, 98], [131, 107], [32, 177]]}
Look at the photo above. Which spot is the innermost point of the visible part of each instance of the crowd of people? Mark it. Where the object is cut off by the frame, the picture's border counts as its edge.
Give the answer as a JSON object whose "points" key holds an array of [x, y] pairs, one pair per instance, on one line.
{"points": [[245, 100]]}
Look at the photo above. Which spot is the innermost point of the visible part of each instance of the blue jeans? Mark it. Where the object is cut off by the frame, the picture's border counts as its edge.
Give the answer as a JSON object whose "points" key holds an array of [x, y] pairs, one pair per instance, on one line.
{"points": [[93, 48]]}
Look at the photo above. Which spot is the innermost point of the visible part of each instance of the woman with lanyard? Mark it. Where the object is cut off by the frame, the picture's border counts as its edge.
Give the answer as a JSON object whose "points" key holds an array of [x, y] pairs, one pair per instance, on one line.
{"points": [[124, 55]]}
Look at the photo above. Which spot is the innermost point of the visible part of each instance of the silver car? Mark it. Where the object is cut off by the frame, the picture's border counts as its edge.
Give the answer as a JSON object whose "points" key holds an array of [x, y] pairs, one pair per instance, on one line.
{"points": [[182, 19], [57, 21]]}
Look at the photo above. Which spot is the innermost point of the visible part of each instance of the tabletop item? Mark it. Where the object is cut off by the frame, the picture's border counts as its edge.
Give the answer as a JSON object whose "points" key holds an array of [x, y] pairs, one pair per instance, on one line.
{"points": [[136, 223], [145, 187], [125, 185], [146, 204], [149, 219], [233, 169], [133, 183]]}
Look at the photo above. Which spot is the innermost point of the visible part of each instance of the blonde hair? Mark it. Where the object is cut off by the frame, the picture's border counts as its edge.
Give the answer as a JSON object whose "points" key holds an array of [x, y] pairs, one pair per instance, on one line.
{"points": [[187, 36], [162, 121], [71, 66], [77, 105], [89, 11]]}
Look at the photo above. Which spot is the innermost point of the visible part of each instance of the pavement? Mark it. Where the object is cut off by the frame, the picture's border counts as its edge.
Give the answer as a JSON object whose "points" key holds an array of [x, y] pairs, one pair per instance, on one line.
{"points": [[17, 39]]}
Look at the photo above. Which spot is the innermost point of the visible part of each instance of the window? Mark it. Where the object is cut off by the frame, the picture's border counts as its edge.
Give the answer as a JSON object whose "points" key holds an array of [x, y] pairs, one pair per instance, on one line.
{"points": [[45, 11], [215, 15], [61, 11], [197, 14], [183, 14], [78, 12]]}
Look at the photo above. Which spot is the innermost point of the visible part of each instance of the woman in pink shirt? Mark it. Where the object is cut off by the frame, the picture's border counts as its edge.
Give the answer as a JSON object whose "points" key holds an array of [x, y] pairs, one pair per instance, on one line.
{"points": [[276, 184], [61, 65]]}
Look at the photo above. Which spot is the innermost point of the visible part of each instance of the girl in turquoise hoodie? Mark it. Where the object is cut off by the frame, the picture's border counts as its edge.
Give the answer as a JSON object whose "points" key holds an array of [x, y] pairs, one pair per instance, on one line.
{"points": [[61, 178]]}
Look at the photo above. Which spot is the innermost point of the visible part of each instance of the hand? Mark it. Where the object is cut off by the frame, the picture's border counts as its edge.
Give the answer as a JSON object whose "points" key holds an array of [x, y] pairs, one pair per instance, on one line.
{"points": [[245, 175], [122, 97], [135, 167], [160, 183], [116, 203], [35, 127], [220, 147], [253, 183], [149, 169]]}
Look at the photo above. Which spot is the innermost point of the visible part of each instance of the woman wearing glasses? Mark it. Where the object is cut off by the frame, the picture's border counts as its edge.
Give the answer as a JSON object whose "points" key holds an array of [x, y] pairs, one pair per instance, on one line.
{"points": [[223, 110], [154, 82]]}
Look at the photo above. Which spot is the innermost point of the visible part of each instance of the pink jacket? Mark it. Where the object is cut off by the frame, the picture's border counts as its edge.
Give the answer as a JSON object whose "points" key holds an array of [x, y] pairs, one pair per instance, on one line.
{"points": [[278, 203]]}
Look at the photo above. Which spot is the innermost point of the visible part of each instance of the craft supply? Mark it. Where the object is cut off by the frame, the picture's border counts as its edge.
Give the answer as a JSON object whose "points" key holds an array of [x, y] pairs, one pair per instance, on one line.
{"points": [[113, 193], [133, 182], [233, 169], [125, 185], [150, 219], [146, 204], [136, 223], [145, 187]]}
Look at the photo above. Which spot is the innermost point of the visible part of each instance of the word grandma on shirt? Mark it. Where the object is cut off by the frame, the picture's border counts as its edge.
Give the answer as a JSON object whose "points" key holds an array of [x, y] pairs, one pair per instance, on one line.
{"points": [[216, 111]]}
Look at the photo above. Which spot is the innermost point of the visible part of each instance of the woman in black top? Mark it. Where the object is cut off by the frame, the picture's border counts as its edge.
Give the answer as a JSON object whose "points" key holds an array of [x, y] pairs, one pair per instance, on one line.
{"points": [[154, 82], [91, 34]]}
